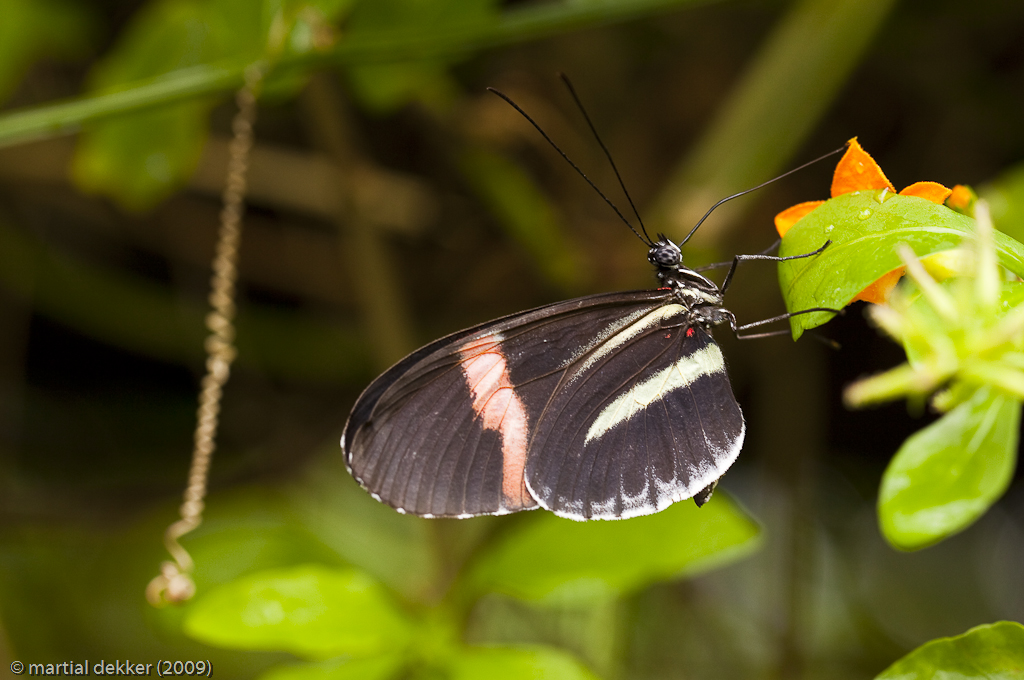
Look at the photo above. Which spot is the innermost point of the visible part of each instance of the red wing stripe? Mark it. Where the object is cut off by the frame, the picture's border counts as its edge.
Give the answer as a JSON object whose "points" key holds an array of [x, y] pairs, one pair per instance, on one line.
{"points": [[500, 409]]}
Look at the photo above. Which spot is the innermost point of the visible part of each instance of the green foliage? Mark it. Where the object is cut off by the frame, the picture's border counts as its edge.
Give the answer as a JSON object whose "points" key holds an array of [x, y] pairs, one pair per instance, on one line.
{"points": [[33, 29], [947, 475], [246, 531], [397, 550], [865, 228], [531, 21], [513, 663], [179, 52], [385, 87], [345, 618], [344, 615], [373, 668], [311, 611], [964, 341], [140, 159], [551, 556], [994, 652]]}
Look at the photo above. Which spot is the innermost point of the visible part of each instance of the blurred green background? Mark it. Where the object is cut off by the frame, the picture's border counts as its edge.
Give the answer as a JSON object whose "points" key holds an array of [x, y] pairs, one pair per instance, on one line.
{"points": [[393, 200]]}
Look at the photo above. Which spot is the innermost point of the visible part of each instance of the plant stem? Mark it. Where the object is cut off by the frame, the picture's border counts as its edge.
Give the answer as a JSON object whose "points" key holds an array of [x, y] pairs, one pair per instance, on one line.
{"points": [[775, 106], [529, 23]]}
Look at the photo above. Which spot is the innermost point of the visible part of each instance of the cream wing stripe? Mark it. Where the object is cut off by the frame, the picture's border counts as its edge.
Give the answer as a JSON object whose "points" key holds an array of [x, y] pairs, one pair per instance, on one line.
{"points": [[681, 374], [647, 322]]}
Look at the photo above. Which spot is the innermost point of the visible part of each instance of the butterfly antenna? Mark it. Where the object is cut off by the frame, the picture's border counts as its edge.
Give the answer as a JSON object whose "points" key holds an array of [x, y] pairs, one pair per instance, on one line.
{"points": [[575, 167], [759, 186], [607, 153]]}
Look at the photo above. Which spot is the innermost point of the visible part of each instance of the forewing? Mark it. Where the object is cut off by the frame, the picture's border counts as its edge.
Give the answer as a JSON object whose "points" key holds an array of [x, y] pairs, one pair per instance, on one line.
{"points": [[446, 432], [646, 419]]}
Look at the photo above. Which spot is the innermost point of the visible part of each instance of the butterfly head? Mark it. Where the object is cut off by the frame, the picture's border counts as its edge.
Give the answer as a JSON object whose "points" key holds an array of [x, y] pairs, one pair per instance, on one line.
{"points": [[664, 254], [696, 289]]}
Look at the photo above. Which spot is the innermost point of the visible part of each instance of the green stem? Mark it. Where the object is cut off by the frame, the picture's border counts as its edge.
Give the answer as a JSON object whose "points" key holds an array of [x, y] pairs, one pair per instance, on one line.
{"points": [[65, 117], [529, 23], [775, 106]]}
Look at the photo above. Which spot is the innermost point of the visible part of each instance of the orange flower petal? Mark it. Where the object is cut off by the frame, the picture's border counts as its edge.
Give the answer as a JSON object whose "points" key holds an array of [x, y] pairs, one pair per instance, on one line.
{"points": [[879, 291], [857, 170], [961, 198], [790, 216], [932, 191]]}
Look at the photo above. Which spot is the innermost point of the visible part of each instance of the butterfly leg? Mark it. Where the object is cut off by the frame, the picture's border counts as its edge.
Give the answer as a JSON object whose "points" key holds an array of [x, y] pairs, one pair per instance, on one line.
{"points": [[771, 258], [719, 265], [737, 329]]}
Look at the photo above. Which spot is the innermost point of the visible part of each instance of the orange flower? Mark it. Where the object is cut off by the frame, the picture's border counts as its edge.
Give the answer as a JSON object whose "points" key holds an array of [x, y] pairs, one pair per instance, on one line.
{"points": [[858, 171], [790, 216], [879, 291], [962, 200]]}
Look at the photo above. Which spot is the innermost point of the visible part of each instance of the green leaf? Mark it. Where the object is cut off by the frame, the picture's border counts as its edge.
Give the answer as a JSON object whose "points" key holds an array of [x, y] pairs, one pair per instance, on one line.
{"points": [[311, 611], [516, 663], [551, 556], [31, 29], [946, 476], [993, 651], [249, 530], [373, 668], [238, 28], [140, 159], [386, 87], [865, 233]]}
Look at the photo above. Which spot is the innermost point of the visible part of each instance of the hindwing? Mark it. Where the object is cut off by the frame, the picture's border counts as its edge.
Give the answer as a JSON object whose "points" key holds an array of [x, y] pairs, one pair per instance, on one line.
{"points": [[637, 426]]}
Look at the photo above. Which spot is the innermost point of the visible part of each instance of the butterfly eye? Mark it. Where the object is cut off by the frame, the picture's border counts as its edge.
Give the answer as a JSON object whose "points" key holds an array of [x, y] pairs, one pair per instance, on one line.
{"points": [[665, 254]]}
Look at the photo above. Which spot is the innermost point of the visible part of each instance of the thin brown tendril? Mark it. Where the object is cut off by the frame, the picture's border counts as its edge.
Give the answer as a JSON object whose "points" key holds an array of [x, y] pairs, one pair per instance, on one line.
{"points": [[174, 584]]}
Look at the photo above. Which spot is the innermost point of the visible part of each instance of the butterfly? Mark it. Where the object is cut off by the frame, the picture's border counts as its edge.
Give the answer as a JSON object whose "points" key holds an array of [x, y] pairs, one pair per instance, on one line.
{"points": [[608, 406]]}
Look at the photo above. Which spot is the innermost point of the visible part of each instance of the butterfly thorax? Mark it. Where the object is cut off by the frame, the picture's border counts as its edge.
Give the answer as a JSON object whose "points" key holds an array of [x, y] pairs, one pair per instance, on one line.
{"points": [[700, 295]]}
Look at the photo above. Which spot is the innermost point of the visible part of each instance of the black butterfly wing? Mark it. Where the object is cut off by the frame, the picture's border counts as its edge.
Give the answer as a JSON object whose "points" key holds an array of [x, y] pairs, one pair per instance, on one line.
{"points": [[645, 419], [446, 431]]}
